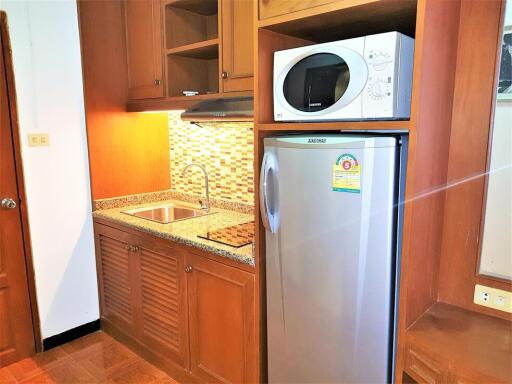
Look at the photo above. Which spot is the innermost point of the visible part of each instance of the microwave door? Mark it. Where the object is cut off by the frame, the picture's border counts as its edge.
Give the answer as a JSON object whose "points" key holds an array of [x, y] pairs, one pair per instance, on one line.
{"points": [[316, 82]]}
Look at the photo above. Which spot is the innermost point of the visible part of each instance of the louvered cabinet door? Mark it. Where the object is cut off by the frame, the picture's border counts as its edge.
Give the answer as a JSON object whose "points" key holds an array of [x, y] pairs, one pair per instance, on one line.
{"points": [[163, 322], [114, 260]]}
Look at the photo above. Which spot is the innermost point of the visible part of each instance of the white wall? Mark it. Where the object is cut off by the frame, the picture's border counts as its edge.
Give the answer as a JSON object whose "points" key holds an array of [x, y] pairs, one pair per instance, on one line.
{"points": [[46, 54], [496, 258]]}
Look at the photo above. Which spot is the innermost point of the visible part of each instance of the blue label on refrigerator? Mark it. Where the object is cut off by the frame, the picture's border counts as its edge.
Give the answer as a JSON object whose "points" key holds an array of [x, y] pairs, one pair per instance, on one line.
{"points": [[346, 174]]}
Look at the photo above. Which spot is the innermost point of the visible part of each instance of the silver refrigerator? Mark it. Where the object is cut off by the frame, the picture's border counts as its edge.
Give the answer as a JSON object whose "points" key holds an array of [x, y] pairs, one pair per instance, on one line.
{"points": [[329, 204]]}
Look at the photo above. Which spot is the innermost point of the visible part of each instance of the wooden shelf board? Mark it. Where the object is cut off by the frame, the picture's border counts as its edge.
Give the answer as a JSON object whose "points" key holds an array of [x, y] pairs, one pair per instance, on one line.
{"points": [[208, 49], [202, 7], [399, 125], [465, 340], [177, 102], [346, 19]]}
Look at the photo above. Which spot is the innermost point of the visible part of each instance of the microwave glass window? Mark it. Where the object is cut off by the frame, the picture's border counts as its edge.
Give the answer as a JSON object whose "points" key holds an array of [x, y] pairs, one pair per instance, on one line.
{"points": [[316, 82]]}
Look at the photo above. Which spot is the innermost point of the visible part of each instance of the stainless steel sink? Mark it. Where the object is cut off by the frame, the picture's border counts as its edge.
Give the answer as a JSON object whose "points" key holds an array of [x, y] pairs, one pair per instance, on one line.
{"points": [[166, 213]]}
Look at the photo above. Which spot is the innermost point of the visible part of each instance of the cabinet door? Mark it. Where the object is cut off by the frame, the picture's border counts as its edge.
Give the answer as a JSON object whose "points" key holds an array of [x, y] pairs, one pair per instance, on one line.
{"points": [[163, 308], [144, 48], [237, 45], [114, 263], [222, 323]]}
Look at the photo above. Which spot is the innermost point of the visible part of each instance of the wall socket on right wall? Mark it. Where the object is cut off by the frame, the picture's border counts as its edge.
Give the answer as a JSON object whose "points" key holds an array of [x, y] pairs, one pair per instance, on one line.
{"points": [[493, 298]]}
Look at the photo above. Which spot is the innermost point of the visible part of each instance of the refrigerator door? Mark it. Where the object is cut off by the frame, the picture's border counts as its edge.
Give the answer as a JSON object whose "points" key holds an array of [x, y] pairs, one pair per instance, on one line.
{"points": [[330, 261]]}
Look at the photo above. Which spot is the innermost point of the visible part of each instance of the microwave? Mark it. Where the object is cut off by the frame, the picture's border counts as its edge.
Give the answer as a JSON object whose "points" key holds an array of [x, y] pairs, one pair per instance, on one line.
{"points": [[362, 78]]}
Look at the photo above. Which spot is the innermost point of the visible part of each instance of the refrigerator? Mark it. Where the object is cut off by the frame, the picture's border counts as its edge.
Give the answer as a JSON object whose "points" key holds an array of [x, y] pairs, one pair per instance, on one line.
{"points": [[330, 205]]}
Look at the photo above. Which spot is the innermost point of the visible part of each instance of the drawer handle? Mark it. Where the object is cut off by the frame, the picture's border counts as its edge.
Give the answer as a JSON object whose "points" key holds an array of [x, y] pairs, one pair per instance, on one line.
{"points": [[188, 268]]}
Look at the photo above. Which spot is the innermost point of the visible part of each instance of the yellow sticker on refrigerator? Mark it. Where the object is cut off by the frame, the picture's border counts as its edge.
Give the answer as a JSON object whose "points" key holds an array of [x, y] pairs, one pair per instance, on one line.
{"points": [[346, 174]]}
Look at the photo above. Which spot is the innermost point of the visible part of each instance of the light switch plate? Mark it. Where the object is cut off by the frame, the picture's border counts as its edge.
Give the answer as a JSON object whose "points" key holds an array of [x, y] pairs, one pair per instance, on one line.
{"points": [[38, 140], [493, 298]]}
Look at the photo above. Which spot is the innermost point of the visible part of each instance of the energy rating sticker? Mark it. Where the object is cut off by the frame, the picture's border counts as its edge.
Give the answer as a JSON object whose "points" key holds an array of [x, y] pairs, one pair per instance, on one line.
{"points": [[346, 174]]}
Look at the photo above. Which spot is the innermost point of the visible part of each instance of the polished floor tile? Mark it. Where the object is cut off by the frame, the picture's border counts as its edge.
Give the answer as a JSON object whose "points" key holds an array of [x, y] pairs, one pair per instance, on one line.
{"points": [[95, 358]]}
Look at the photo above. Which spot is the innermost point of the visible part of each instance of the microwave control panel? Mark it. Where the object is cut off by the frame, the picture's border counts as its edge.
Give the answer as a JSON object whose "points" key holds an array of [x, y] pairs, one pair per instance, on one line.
{"points": [[383, 95]]}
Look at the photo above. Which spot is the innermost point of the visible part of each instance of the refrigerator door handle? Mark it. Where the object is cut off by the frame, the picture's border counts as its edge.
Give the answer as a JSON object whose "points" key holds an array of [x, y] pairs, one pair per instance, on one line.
{"points": [[270, 219]]}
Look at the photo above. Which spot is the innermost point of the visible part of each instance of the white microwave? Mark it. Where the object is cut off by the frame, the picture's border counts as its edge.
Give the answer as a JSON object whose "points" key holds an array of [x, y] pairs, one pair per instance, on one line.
{"points": [[362, 78]]}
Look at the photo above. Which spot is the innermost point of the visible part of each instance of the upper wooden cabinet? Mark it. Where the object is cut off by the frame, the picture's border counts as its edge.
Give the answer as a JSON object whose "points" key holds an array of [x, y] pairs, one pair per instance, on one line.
{"points": [[143, 28], [237, 45], [174, 46]]}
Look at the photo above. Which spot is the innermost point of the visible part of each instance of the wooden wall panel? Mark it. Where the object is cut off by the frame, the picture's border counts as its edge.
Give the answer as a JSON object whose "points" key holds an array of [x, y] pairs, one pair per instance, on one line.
{"points": [[434, 58], [472, 119], [128, 152]]}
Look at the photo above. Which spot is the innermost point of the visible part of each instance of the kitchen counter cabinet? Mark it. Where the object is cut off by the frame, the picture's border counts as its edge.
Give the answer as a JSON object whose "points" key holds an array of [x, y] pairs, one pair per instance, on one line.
{"points": [[182, 308], [221, 310], [184, 231]]}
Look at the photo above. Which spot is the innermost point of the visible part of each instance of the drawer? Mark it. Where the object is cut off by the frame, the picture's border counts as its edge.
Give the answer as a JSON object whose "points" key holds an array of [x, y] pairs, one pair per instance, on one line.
{"points": [[270, 8], [424, 369]]}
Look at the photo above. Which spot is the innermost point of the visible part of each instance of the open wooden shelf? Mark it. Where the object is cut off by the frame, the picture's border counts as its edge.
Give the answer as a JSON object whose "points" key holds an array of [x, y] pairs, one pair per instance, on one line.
{"points": [[208, 49], [177, 102], [345, 19], [184, 26], [399, 125], [464, 342]]}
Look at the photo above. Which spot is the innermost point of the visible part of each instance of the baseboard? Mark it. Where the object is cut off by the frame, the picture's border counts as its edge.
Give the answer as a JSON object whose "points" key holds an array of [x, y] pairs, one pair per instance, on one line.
{"points": [[72, 334]]}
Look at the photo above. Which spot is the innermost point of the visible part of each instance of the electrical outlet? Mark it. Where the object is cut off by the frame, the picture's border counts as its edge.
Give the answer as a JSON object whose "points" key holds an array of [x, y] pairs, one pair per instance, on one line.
{"points": [[38, 140], [493, 298]]}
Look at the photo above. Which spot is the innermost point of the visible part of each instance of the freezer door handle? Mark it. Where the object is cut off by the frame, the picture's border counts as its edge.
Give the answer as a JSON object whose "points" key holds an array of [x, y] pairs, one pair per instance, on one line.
{"points": [[269, 218]]}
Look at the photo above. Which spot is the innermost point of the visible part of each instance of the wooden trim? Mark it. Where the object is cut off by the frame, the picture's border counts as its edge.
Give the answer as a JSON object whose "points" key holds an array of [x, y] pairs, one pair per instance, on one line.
{"points": [[11, 89], [178, 102], [399, 125]]}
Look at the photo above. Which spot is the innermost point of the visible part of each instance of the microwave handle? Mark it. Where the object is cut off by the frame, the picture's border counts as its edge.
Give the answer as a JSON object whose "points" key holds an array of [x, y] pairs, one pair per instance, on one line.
{"points": [[270, 219]]}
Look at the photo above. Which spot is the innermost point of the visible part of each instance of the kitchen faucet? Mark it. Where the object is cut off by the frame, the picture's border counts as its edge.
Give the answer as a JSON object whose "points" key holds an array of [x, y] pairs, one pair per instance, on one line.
{"points": [[205, 205]]}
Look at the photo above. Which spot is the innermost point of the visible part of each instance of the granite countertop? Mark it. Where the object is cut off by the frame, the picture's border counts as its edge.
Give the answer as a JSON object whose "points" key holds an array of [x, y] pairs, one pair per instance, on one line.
{"points": [[186, 231]]}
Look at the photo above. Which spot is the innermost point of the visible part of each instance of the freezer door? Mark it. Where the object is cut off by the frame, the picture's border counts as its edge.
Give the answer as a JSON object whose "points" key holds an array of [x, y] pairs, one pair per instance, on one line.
{"points": [[330, 261]]}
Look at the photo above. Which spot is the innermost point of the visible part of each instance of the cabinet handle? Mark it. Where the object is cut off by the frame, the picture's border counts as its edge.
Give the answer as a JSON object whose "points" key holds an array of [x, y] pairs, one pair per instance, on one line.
{"points": [[133, 248], [188, 268], [158, 82], [224, 75]]}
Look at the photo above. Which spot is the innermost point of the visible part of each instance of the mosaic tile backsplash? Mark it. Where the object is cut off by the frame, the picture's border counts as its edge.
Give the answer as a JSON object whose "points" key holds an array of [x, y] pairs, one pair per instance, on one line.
{"points": [[224, 149]]}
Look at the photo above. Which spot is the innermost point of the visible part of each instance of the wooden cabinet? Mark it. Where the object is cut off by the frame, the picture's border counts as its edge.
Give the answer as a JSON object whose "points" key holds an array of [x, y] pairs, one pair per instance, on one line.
{"points": [[162, 299], [423, 368], [204, 46], [143, 28], [115, 267], [193, 311], [237, 45], [221, 318]]}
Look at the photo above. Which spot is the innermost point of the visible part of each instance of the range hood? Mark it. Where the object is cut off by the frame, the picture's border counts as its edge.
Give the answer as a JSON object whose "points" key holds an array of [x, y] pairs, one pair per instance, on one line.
{"points": [[227, 109]]}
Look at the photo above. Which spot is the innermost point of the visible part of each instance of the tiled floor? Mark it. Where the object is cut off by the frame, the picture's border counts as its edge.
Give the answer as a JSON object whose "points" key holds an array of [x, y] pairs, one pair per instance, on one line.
{"points": [[95, 358]]}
